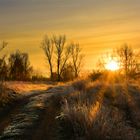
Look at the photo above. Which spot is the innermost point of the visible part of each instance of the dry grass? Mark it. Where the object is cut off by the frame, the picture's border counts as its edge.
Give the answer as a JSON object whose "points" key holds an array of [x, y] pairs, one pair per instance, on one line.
{"points": [[100, 110], [87, 110], [11, 92], [7, 97], [23, 87]]}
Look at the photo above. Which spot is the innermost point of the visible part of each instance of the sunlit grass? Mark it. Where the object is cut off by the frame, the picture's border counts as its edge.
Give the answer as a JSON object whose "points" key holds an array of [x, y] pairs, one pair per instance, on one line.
{"points": [[99, 110], [24, 87]]}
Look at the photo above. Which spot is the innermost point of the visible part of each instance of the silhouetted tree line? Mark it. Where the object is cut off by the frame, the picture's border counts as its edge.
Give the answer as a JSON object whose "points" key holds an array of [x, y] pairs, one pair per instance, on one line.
{"points": [[64, 60], [128, 60], [3, 65]]}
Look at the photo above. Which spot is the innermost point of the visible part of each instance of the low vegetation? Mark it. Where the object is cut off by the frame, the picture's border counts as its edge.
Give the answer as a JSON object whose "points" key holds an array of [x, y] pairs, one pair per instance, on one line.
{"points": [[100, 110], [7, 98], [105, 106], [12, 93]]}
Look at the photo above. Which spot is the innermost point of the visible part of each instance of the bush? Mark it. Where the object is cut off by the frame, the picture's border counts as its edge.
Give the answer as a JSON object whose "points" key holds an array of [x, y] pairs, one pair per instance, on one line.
{"points": [[95, 75]]}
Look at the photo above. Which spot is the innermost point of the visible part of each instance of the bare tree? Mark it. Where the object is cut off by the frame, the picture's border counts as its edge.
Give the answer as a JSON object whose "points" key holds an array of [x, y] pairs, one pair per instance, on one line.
{"points": [[47, 47], [77, 58], [3, 45], [58, 54], [138, 63], [127, 59], [100, 65], [62, 52], [3, 67], [19, 66]]}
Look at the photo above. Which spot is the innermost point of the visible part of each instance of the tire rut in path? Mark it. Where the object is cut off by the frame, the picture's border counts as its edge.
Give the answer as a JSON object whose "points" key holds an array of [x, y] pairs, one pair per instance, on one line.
{"points": [[47, 127], [22, 116]]}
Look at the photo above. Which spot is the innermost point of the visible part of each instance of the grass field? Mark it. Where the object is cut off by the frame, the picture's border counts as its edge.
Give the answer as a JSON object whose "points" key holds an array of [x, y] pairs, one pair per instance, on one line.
{"points": [[12, 92], [82, 109], [101, 110]]}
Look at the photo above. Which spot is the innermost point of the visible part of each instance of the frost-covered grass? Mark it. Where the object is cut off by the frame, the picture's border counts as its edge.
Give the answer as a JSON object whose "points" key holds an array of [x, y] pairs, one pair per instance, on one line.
{"points": [[24, 87], [7, 98], [11, 92], [100, 110]]}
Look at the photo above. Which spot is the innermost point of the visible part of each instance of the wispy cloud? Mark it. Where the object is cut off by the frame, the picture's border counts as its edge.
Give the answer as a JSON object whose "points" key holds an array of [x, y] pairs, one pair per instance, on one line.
{"points": [[94, 23]]}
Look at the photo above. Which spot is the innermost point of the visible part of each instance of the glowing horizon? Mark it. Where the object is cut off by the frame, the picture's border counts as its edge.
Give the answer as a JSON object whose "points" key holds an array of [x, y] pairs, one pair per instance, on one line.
{"points": [[98, 26]]}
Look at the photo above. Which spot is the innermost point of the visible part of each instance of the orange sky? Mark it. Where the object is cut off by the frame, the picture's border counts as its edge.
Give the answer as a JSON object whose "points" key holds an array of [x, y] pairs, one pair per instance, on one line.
{"points": [[98, 26]]}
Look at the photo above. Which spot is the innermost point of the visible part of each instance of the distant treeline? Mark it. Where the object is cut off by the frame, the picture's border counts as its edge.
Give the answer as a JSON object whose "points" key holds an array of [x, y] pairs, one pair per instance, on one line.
{"points": [[65, 61], [128, 61]]}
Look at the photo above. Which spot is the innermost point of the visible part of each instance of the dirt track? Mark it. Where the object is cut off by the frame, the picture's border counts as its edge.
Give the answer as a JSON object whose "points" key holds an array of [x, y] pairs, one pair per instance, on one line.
{"points": [[24, 121], [34, 118]]}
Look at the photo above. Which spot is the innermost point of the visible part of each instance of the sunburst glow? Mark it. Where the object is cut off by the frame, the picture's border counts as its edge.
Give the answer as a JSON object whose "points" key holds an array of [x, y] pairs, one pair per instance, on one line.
{"points": [[112, 65]]}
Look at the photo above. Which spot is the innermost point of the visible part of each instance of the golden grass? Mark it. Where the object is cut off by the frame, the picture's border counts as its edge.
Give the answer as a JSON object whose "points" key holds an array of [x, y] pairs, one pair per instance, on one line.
{"points": [[7, 96], [24, 87], [100, 110]]}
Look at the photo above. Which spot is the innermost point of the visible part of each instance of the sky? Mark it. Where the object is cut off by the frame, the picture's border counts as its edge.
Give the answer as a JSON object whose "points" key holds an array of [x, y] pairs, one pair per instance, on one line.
{"points": [[97, 25]]}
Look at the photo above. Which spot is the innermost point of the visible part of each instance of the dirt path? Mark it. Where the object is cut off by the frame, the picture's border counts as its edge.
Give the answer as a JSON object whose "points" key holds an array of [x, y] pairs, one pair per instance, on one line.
{"points": [[24, 121]]}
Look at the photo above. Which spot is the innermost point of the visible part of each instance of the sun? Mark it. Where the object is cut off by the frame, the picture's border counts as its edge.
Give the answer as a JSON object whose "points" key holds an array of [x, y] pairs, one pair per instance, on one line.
{"points": [[112, 65]]}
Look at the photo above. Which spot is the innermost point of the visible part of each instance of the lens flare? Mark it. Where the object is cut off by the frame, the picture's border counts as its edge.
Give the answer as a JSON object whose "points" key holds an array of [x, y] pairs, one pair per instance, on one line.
{"points": [[112, 65]]}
